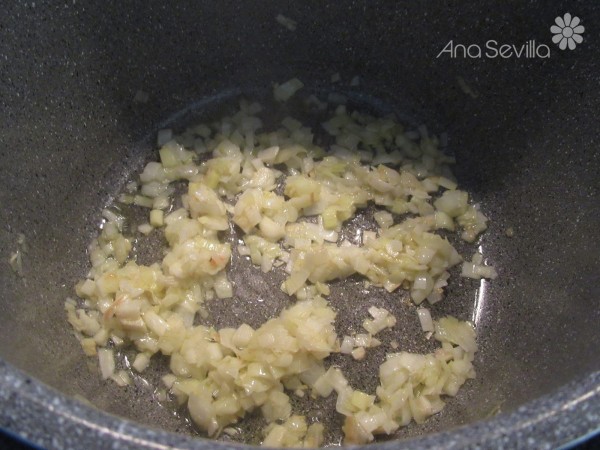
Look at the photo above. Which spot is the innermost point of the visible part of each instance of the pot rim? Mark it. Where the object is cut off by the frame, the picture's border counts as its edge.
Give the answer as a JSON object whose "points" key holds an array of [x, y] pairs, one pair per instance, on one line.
{"points": [[33, 411]]}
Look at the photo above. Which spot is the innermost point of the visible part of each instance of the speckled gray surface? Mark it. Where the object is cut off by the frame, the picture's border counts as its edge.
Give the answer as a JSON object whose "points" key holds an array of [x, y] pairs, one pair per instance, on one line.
{"points": [[526, 146]]}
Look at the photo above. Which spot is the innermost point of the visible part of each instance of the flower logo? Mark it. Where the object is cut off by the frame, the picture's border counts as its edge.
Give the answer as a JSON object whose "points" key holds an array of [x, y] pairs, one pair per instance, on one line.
{"points": [[567, 32]]}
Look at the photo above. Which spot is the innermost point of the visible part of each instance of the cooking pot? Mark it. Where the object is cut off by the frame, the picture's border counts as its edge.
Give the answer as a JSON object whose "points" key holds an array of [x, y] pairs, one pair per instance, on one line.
{"points": [[522, 121]]}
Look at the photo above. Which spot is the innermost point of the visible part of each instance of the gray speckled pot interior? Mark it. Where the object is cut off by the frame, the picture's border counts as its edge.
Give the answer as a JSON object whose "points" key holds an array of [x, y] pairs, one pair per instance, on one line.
{"points": [[526, 146]]}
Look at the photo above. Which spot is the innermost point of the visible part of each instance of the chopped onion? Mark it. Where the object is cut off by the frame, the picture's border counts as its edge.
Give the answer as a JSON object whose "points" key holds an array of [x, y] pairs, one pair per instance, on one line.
{"points": [[285, 91], [121, 378], [347, 345], [358, 353], [106, 360], [145, 228], [283, 201], [425, 319], [477, 270], [141, 362]]}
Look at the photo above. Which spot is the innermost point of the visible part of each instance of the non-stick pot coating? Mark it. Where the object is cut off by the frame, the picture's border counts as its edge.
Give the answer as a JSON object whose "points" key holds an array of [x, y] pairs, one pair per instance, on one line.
{"points": [[525, 143]]}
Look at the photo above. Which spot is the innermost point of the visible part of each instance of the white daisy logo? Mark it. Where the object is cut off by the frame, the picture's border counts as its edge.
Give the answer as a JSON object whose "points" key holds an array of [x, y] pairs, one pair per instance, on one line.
{"points": [[567, 32]]}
